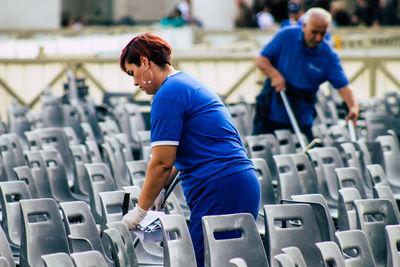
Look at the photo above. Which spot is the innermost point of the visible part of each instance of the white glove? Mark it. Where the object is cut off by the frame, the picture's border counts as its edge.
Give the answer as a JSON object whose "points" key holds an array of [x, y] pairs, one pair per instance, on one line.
{"points": [[158, 203], [133, 217]]}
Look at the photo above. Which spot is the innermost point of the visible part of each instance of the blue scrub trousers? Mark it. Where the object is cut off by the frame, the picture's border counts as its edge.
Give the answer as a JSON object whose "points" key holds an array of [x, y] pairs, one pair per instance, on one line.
{"points": [[236, 193]]}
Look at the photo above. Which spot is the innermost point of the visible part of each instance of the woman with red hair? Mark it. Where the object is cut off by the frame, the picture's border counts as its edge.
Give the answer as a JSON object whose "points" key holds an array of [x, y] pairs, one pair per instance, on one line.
{"points": [[191, 132]]}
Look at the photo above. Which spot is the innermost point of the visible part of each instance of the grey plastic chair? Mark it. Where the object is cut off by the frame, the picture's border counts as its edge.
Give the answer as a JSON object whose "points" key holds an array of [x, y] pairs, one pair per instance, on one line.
{"points": [[272, 143], [296, 256], [321, 212], [384, 192], [258, 147], [72, 119], [347, 216], [125, 146], [391, 154], [18, 122], [286, 144], [377, 123], [118, 252], [178, 247], [292, 225], [81, 183], [39, 173], [88, 131], [100, 181], [218, 252], [58, 260], [88, 259], [268, 196], [24, 174], [283, 260], [350, 177], [56, 137], [10, 194], [33, 140], [377, 174], [331, 254], [81, 228], [392, 240], [93, 151], [137, 251], [42, 231], [137, 171], [16, 148], [356, 249], [8, 160], [111, 206], [58, 177], [71, 136], [305, 172], [373, 216], [5, 251], [289, 182]]}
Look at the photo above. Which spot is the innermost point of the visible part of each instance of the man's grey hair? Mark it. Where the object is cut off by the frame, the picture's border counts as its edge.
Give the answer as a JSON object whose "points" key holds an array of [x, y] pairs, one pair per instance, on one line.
{"points": [[317, 11]]}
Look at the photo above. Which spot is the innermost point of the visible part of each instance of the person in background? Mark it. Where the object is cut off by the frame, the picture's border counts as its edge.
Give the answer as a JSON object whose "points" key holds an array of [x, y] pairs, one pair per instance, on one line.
{"points": [[191, 132], [295, 12], [385, 14], [175, 20], [244, 17], [265, 20], [298, 60], [363, 14]]}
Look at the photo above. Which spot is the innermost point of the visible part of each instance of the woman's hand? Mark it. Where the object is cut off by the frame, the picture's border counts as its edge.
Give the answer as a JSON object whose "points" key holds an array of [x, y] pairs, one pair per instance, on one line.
{"points": [[159, 202], [134, 217]]}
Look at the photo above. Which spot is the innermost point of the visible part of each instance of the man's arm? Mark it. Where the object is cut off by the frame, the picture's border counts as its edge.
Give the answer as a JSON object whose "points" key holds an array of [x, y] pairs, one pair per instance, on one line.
{"points": [[351, 103], [158, 174], [266, 67]]}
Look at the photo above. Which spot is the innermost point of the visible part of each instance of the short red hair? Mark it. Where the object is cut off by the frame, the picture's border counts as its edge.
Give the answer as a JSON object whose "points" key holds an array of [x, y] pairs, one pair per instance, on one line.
{"points": [[151, 46]]}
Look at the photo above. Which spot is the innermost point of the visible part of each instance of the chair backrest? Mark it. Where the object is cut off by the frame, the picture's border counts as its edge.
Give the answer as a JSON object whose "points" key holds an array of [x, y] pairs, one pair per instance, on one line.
{"points": [[265, 180], [111, 206], [56, 137], [272, 143], [80, 225], [88, 131], [377, 174], [43, 231], [331, 160], [39, 173], [5, 250], [125, 146], [258, 147], [81, 183], [100, 181], [296, 256], [392, 244], [289, 182], [305, 172], [113, 154], [58, 260], [373, 216], [24, 174], [118, 252], [178, 247], [354, 245], [347, 216], [10, 194], [286, 144], [124, 247], [71, 136], [137, 171], [8, 159], [385, 192], [292, 225], [72, 119], [331, 254], [88, 259], [33, 140], [283, 260], [377, 123], [16, 148], [391, 154], [350, 177], [93, 151], [322, 213], [247, 244]]}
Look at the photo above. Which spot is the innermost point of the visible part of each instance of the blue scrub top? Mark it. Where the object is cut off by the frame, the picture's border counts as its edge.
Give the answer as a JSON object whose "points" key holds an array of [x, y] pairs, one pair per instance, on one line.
{"points": [[188, 114], [304, 68]]}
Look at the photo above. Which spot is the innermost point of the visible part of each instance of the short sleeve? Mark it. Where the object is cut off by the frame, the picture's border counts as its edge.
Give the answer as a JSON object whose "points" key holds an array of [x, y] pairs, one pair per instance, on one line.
{"points": [[336, 76], [272, 49], [166, 122]]}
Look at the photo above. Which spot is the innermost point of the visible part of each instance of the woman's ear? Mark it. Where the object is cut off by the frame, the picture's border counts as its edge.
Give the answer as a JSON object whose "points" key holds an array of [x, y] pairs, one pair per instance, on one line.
{"points": [[144, 61]]}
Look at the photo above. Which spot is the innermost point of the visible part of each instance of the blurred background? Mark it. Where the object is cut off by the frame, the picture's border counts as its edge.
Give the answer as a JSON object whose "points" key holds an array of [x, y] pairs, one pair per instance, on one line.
{"points": [[215, 41]]}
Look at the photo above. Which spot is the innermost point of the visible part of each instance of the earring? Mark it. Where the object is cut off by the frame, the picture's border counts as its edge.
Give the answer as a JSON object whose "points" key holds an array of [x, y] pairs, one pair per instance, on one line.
{"points": [[149, 81]]}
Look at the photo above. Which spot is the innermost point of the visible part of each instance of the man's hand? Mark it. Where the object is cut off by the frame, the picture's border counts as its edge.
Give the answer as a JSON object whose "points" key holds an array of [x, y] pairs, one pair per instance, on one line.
{"points": [[278, 81], [133, 218], [353, 115]]}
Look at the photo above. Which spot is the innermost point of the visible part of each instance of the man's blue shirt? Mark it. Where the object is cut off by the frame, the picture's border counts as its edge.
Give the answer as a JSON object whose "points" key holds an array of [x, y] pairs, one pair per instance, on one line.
{"points": [[188, 114], [303, 68]]}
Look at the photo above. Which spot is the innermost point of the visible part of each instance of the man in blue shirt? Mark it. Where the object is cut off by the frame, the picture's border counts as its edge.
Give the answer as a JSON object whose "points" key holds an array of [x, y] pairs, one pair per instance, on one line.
{"points": [[294, 13], [298, 60]]}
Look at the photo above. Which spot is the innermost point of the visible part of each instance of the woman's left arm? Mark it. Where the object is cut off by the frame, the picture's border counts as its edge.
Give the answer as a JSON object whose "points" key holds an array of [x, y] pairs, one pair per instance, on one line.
{"points": [[158, 172]]}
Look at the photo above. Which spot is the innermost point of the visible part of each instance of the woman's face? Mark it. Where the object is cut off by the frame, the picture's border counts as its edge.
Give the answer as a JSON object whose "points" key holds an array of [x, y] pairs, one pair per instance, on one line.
{"points": [[142, 77]]}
